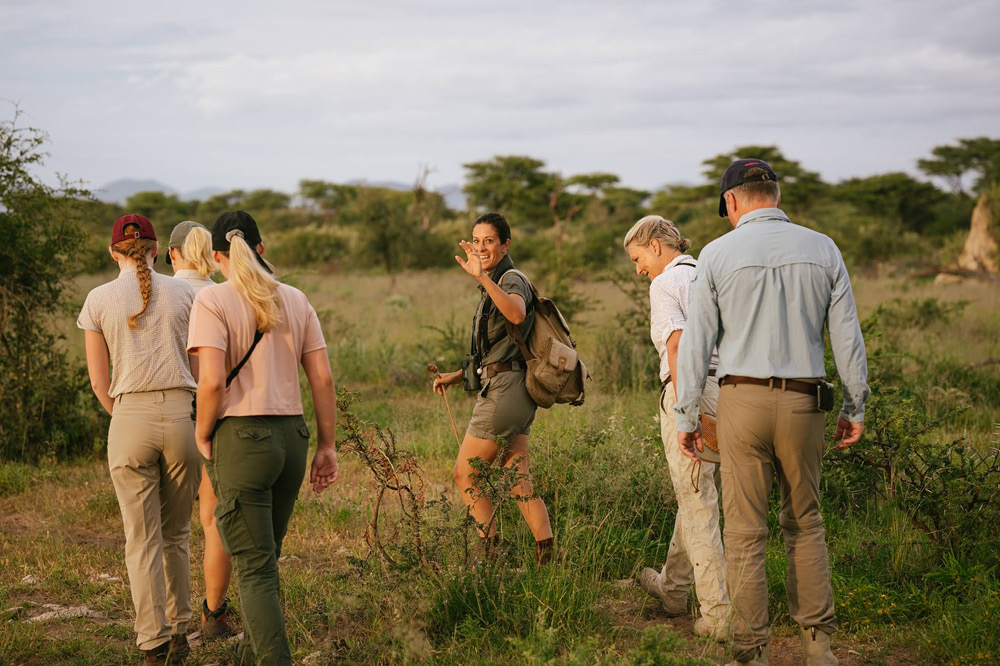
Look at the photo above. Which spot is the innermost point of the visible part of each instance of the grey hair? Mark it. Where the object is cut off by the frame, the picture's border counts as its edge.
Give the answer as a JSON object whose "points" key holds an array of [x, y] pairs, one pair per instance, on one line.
{"points": [[662, 229]]}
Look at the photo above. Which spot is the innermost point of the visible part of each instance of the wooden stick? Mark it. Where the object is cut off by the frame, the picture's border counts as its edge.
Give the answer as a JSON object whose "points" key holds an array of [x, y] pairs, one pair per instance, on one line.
{"points": [[434, 370]]}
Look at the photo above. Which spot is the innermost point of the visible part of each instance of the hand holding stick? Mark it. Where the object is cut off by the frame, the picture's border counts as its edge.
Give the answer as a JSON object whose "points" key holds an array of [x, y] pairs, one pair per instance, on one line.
{"points": [[433, 369]]}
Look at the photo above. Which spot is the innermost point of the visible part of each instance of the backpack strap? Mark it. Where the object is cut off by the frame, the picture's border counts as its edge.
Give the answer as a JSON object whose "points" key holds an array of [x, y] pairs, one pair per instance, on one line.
{"points": [[513, 330], [246, 357], [684, 263]]}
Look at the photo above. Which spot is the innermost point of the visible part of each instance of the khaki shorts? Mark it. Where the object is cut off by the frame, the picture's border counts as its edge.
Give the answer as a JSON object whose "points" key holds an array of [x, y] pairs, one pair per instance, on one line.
{"points": [[503, 409]]}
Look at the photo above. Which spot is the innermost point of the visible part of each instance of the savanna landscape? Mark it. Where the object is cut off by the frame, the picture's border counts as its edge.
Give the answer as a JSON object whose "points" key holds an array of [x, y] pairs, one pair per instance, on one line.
{"points": [[385, 567]]}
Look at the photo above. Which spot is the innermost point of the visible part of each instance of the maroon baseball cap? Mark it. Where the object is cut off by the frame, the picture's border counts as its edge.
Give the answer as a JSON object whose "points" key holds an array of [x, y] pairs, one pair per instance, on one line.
{"points": [[145, 228]]}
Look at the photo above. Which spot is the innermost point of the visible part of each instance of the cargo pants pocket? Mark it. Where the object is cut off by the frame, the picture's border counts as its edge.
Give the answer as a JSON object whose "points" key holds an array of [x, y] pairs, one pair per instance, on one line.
{"points": [[234, 531]]}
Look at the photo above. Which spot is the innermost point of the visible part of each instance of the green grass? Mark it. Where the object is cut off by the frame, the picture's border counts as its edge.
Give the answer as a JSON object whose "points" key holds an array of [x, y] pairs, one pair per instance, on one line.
{"points": [[601, 470]]}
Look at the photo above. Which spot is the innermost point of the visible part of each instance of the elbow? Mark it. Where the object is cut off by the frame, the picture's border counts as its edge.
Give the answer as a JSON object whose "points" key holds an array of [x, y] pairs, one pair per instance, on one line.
{"points": [[518, 318], [209, 386]]}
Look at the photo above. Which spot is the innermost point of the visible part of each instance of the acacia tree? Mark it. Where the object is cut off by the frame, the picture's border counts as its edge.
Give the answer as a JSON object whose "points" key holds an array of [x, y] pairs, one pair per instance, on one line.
{"points": [[514, 185], [800, 188], [980, 159], [45, 406]]}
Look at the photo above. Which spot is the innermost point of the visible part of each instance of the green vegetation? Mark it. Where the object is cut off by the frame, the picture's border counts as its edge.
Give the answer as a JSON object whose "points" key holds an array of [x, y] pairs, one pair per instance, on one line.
{"points": [[912, 512]]}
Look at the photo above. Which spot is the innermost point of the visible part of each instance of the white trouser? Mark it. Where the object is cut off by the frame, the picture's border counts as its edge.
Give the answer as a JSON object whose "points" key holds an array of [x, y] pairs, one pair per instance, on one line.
{"points": [[695, 555]]}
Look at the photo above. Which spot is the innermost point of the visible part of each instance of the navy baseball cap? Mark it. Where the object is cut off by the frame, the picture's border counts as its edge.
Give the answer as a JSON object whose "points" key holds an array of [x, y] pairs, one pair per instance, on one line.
{"points": [[736, 175]]}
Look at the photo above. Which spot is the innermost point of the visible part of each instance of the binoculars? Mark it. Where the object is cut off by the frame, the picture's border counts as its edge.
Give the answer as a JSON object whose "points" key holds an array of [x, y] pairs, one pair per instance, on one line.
{"points": [[470, 373]]}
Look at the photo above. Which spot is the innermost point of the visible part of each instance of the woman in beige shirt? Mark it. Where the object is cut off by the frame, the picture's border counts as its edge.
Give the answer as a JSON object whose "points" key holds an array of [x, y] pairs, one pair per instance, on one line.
{"points": [[136, 330]]}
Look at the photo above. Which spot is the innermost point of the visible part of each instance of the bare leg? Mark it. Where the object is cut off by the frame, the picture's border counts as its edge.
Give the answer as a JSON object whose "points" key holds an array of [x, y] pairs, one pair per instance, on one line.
{"points": [[533, 510], [480, 508], [218, 565]]}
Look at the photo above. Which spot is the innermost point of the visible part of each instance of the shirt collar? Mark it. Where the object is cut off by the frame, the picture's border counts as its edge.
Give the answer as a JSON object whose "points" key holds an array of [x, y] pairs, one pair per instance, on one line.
{"points": [[128, 269], [187, 274], [676, 260], [505, 264], [774, 214]]}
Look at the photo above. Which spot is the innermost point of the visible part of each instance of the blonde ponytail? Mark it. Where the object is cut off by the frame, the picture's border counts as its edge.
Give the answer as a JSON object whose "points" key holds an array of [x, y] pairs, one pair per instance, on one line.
{"points": [[197, 250], [258, 286]]}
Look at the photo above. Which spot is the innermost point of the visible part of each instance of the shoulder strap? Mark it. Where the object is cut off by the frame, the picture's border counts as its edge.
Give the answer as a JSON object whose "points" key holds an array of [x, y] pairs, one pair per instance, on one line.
{"points": [[515, 331], [684, 263], [246, 357]]}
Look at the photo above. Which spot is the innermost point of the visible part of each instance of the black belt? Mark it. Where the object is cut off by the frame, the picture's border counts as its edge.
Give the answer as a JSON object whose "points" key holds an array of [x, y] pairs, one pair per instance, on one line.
{"points": [[492, 369], [663, 384], [809, 388]]}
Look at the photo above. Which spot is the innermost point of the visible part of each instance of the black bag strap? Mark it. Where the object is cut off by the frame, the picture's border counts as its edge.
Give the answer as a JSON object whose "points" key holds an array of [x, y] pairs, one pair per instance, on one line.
{"points": [[684, 263], [246, 357]]}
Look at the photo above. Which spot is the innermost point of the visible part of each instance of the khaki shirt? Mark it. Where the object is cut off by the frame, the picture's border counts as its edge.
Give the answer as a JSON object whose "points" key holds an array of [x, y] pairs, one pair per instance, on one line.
{"points": [[193, 278], [152, 356], [504, 348]]}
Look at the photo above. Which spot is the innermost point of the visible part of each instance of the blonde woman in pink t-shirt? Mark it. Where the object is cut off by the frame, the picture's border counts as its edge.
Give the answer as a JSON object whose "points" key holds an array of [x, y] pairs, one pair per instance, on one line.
{"points": [[250, 335]]}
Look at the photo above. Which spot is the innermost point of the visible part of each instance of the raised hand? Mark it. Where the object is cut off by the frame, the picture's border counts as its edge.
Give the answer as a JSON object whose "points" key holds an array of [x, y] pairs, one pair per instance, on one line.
{"points": [[473, 263]]}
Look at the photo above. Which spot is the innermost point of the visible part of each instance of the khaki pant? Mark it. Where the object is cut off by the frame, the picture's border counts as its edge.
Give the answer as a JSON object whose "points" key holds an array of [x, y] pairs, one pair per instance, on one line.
{"points": [[767, 434], [155, 469], [695, 555]]}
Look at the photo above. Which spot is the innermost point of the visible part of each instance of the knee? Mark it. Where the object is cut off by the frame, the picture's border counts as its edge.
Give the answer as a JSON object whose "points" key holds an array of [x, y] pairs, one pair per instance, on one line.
{"points": [[461, 474], [793, 525]]}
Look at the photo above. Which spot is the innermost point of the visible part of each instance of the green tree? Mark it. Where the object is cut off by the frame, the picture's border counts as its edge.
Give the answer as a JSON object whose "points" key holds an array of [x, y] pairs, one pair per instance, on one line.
{"points": [[513, 185], [896, 196], [44, 406], [163, 210], [979, 157], [319, 196], [211, 207], [259, 201], [800, 188]]}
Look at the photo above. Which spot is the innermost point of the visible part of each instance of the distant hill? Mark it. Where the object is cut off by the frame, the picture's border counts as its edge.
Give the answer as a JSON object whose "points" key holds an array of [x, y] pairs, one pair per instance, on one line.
{"points": [[119, 190]]}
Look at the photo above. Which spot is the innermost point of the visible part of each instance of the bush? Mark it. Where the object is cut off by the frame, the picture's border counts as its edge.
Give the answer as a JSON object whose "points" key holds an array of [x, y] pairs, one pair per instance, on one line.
{"points": [[42, 413]]}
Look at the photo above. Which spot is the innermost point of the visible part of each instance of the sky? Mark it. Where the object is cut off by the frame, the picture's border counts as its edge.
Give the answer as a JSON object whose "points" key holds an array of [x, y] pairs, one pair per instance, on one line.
{"points": [[263, 94]]}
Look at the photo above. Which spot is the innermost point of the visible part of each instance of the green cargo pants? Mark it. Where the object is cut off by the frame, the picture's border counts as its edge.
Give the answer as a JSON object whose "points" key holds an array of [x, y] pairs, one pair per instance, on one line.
{"points": [[256, 469]]}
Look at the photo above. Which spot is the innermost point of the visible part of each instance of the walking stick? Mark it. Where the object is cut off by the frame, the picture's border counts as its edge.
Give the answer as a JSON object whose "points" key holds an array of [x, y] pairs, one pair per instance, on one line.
{"points": [[433, 369]]}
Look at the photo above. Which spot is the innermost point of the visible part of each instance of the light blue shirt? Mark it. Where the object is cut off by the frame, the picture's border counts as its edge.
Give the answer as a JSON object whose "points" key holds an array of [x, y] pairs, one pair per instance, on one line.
{"points": [[763, 295]]}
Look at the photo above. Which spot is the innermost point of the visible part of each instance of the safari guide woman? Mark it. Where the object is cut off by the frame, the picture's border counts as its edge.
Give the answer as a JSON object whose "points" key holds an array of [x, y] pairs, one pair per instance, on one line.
{"points": [[695, 554], [135, 328], [190, 255], [250, 335], [503, 408]]}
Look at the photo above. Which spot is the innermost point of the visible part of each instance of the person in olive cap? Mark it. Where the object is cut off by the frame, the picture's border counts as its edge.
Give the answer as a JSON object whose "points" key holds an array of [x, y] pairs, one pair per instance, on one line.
{"points": [[763, 294], [250, 335], [190, 254]]}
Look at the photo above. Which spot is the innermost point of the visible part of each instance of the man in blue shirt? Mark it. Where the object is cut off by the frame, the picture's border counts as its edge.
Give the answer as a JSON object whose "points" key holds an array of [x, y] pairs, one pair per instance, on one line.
{"points": [[763, 294]]}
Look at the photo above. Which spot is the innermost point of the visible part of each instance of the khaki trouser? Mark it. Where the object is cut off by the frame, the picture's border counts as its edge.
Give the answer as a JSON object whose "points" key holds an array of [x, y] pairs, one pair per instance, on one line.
{"points": [[155, 469], [767, 434], [695, 555]]}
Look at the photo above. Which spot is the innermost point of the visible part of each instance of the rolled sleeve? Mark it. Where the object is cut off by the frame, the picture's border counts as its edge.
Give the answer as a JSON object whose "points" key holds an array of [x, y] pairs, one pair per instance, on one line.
{"points": [[666, 315], [515, 283], [848, 345], [697, 344]]}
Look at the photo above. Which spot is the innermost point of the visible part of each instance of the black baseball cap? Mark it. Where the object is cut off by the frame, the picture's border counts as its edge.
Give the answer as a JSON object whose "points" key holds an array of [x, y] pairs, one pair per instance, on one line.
{"points": [[735, 175], [237, 222]]}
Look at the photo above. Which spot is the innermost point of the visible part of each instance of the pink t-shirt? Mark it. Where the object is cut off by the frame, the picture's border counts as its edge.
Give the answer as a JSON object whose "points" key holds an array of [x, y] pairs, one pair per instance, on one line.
{"points": [[268, 384]]}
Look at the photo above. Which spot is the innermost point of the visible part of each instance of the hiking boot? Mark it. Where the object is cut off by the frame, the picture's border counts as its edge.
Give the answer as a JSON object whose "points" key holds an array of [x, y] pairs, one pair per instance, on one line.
{"points": [[816, 647], [215, 624], [157, 656], [649, 580], [178, 649], [707, 629], [543, 551], [754, 657]]}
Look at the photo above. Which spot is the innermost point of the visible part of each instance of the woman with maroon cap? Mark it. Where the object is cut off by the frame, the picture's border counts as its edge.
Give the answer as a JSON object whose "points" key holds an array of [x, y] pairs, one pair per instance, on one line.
{"points": [[136, 332]]}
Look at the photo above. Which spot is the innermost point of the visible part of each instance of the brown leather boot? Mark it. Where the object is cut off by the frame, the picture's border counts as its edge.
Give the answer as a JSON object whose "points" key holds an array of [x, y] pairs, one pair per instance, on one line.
{"points": [[543, 551], [179, 650], [215, 623], [816, 647], [157, 656]]}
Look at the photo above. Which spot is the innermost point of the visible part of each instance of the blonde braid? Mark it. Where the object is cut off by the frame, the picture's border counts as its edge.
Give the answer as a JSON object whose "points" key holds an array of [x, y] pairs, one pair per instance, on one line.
{"points": [[136, 249]]}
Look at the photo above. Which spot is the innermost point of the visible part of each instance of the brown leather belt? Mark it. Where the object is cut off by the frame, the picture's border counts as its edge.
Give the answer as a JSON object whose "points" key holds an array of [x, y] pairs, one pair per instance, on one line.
{"points": [[663, 384], [809, 388], [492, 369]]}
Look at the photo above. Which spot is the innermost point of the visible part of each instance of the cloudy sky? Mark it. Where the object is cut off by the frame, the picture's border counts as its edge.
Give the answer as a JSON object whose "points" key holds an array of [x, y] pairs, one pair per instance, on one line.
{"points": [[262, 94]]}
